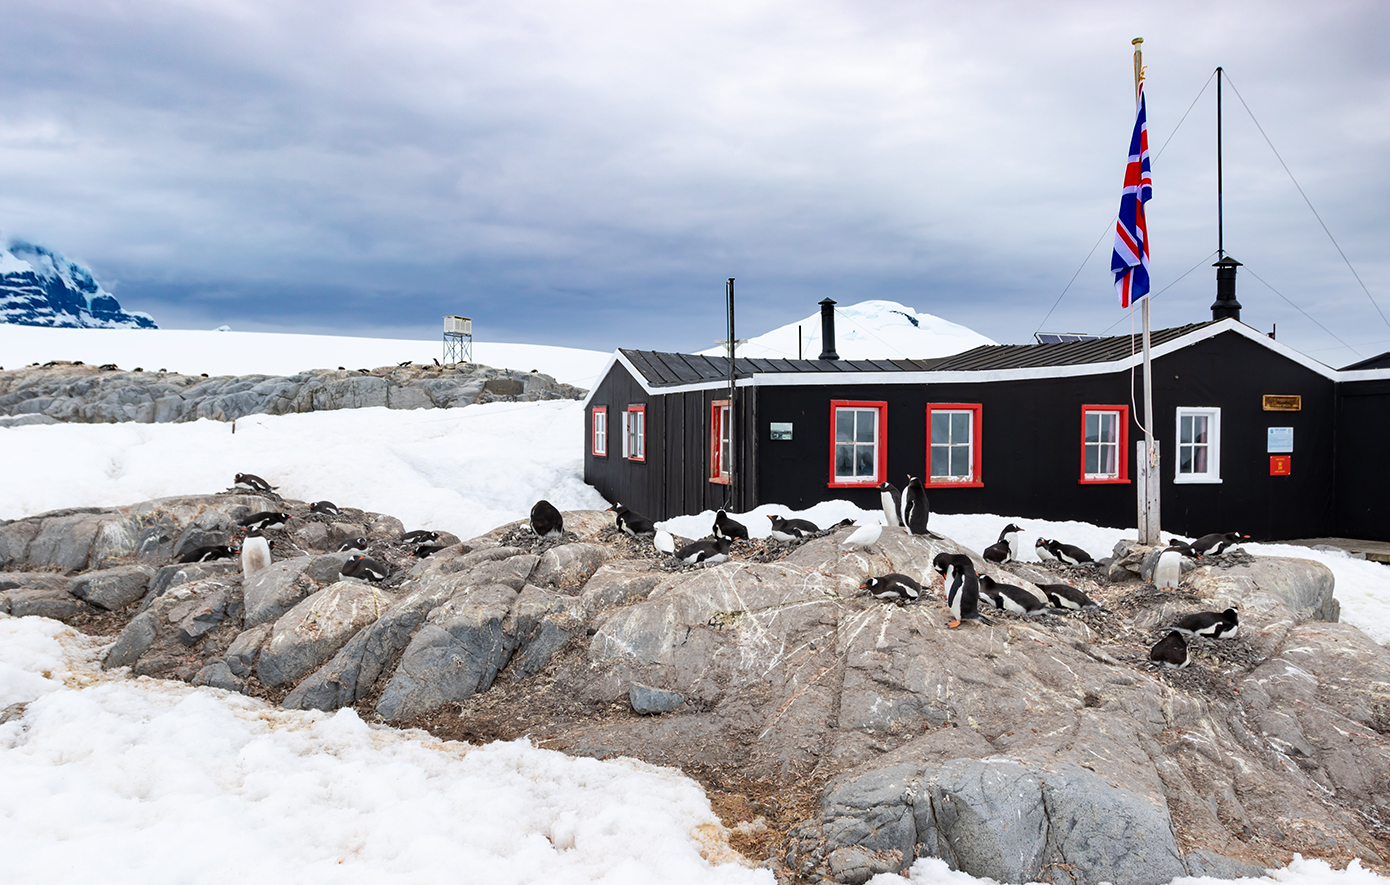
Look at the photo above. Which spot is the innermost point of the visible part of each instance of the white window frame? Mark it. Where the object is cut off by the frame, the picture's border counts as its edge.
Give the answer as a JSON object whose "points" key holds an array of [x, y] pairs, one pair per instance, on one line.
{"points": [[1116, 445], [876, 445], [1213, 472], [635, 433], [600, 431]]}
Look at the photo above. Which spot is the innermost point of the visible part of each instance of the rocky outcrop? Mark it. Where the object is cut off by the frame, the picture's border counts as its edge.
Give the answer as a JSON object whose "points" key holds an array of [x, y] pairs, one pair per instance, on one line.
{"points": [[86, 394], [1043, 748]]}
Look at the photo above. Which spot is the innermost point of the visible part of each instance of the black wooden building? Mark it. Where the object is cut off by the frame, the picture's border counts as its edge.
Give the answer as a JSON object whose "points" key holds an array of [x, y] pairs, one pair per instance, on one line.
{"points": [[1254, 436]]}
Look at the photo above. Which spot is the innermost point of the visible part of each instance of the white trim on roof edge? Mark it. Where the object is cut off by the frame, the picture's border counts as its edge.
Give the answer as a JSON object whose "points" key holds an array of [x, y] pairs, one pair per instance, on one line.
{"points": [[793, 379]]}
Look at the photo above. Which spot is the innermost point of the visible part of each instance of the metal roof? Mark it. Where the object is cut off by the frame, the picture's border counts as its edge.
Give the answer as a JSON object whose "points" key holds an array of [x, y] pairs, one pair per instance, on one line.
{"points": [[1381, 361], [660, 369]]}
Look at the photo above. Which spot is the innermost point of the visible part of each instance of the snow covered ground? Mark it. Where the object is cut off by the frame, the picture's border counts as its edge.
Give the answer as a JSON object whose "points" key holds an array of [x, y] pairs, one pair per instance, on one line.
{"points": [[132, 780]]}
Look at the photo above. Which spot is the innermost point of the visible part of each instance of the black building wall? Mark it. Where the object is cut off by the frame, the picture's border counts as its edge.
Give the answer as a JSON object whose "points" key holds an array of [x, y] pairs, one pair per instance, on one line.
{"points": [[1363, 474], [1031, 444], [674, 478]]}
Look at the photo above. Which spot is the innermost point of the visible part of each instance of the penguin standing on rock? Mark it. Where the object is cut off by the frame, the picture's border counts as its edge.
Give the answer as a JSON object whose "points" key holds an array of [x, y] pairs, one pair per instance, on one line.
{"points": [[962, 587], [792, 529], [359, 566], [892, 501], [916, 510], [253, 482], [1168, 568], [255, 555], [727, 527], [711, 551], [1009, 598], [893, 587], [1171, 651], [1217, 625], [546, 521], [1007, 546], [632, 522]]}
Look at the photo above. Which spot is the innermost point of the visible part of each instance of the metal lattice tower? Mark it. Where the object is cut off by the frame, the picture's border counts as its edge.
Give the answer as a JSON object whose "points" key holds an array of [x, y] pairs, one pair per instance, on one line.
{"points": [[458, 340]]}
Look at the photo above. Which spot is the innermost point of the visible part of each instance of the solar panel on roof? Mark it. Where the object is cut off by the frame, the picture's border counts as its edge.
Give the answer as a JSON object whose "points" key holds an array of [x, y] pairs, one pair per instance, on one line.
{"points": [[1063, 337]]}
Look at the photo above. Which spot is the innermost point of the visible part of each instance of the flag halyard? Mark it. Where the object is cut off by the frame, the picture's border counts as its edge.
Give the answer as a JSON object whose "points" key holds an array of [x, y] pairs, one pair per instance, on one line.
{"points": [[1130, 259]]}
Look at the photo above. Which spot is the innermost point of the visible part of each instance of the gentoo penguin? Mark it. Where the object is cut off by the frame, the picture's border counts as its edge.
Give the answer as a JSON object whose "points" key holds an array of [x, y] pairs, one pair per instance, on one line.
{"points": [[426, 550], [419, 536], [266, 519], [1217, 625], [356, 545], [1217, 543], [1007, 546], [916, 510], [792, 529], [725, 527], [1068, 554], [546, 521], [708, 550], [359, 566], [1044, 553], [325, 507], [962, 587], [1168, 569], [664, 542], [863, 536], [892, 500], [1009, 598], [894, 587], [255, 555], [253, 482], [1171, 651], [1068, 597], [632, 522], [208, 553]]}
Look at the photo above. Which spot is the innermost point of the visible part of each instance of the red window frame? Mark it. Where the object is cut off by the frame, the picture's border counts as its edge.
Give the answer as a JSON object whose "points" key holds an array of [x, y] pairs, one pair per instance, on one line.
{"points": [[631, 410], [594, 434], [977, 475], [1123, 439], [880, 443], [718, 470]]}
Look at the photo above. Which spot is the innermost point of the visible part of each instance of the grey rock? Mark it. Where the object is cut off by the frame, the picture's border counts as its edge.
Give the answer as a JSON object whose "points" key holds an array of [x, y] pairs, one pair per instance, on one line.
{"points": [[245, 650], [115, 539], [63, 542], [312, 632], [112, 589], [648, 700], [569, 565], [219, 675], [456, 654], [1208, 863], [328, 568], [173, 575], [871, 811], [856, 865], [276, 589], [198, 617], [991, 816], [15, 539], [44, 600], [137, 636]]}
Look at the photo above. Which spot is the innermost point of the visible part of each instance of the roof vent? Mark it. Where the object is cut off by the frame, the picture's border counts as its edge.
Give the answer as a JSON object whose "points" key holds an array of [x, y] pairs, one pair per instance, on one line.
{"points": [[827, 330], [1226, 304]]}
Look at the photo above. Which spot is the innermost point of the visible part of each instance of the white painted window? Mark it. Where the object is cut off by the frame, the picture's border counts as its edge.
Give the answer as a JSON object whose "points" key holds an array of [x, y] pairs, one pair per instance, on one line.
{"points": [[635, 433], [1199, 445], [601, 431], [1102, 445]]}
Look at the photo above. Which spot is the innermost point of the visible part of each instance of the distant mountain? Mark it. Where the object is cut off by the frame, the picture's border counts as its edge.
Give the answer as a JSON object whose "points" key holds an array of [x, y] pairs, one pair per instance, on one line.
{"points": [[865, 331], [39, 287]]}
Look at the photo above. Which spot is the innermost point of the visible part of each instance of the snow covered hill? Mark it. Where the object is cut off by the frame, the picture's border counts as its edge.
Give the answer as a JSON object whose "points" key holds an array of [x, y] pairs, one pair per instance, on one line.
{"points": [[39, 287], [867, 330]]}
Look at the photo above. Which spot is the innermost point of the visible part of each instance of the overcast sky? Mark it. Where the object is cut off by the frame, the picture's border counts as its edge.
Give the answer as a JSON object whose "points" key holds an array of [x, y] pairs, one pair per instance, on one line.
{"points": [[589, 173]]}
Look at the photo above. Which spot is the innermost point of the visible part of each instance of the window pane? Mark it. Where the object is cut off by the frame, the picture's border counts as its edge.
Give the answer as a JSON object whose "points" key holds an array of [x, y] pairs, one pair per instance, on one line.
{"points": [[1199, 426], [1092, 427], [1199, 455], [864, 461], [940, 465], [940, 427], [844, 460], [844, 425], [866, 425], [1184, 459], [960, 427], [1092, 459], [960, 461], [1185, 429], [1108, 460], [1108, 423]]}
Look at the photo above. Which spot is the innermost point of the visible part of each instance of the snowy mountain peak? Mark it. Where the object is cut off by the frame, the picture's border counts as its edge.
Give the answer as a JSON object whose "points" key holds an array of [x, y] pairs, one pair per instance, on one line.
{"points": [[867, 330], [39, 287]]}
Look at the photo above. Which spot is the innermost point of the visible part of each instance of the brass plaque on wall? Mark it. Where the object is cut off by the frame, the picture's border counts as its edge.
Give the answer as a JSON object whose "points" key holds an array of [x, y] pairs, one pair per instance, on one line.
{"points": [[1274, 402]]}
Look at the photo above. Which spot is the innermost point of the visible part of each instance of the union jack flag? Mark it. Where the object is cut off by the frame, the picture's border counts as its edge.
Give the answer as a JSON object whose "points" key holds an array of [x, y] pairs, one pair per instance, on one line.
{"points": [[1130, 260]]}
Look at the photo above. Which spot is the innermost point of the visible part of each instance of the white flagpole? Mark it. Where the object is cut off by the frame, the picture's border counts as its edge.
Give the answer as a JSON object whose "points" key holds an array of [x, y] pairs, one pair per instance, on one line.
{"points": [[1148, 465]]}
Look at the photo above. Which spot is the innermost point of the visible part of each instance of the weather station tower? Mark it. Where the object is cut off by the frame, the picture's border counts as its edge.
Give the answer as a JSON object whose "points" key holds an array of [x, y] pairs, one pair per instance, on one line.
{"points": [[458, 340]]}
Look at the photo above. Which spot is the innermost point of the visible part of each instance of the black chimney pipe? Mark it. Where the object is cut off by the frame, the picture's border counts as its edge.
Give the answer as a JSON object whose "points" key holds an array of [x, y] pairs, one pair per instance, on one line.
{"points": [[827, 331], [1226, 304]]}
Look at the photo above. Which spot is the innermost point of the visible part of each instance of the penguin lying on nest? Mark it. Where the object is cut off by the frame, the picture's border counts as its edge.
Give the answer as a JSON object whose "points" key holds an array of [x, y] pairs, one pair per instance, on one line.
{"points": [[893, 587]]}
